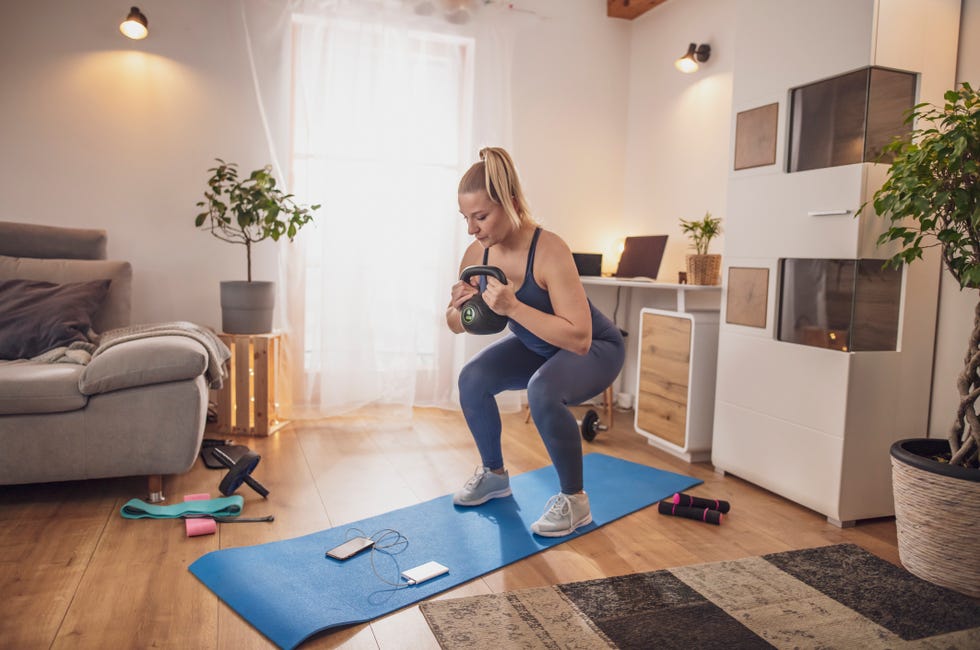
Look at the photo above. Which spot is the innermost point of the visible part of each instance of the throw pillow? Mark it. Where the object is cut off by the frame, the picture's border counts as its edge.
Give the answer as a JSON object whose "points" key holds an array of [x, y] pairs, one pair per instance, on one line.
{"points": [[37, 316], [115, 311]]}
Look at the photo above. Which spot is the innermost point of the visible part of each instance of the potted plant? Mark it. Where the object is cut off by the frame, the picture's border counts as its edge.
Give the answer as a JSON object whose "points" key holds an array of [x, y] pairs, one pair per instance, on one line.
{"points": [[931, 197], [247, 211], [702, 267]]}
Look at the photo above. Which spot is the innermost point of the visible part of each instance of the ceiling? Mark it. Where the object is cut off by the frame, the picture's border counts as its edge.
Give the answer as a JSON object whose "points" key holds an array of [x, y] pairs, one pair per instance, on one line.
{"points": [[630, 9]]}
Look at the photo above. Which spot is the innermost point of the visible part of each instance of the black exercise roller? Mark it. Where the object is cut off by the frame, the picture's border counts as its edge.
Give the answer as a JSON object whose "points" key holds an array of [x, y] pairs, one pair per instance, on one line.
{"points": [[701, 514], [682, 499], [239, 471]]}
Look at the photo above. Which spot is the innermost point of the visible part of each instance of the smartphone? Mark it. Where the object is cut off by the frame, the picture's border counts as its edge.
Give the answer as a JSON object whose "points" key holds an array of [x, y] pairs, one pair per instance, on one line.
{"points": [[350, 548]]}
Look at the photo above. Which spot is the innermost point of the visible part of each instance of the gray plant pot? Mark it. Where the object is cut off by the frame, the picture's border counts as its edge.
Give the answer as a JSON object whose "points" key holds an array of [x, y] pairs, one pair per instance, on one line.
{"points": [[246, 307]]}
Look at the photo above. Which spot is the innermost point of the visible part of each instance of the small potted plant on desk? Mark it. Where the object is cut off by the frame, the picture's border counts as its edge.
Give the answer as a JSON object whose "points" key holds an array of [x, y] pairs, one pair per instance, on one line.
{"points": [[931, 197], [702, 267], [247, 211]]}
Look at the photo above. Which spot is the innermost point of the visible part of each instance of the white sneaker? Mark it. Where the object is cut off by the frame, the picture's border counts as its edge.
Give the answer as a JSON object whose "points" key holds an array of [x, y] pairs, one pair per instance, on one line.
{"points": [[483, 486], [563, 514]]}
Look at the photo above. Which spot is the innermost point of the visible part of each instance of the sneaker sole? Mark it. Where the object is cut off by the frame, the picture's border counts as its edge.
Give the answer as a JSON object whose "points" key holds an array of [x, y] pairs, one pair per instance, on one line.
{"points": [[486, 497], [563, 533]]}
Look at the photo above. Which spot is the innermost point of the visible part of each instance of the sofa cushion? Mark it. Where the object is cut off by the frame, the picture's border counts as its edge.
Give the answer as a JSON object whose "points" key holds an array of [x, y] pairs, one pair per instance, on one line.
{"points": [[141, 362], [116, 308], [38, 316], [30, 387]]}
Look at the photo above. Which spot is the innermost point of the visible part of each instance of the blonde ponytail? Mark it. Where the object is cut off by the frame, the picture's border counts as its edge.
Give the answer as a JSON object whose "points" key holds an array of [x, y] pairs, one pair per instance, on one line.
{"points": [[497, 175]]}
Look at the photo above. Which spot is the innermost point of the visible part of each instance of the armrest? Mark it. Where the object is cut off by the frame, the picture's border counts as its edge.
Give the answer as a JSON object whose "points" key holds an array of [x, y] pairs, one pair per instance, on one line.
{"points": [[141, 362]]}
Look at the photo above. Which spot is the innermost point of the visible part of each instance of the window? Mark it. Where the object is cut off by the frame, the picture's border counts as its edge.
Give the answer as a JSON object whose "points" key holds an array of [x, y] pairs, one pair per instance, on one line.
{"points": [[380, 124]]}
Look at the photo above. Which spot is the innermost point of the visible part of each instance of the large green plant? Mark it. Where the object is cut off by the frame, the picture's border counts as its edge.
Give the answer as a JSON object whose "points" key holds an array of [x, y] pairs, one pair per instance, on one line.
{"points": [[931, 198], [247, 211], [702, 231]]}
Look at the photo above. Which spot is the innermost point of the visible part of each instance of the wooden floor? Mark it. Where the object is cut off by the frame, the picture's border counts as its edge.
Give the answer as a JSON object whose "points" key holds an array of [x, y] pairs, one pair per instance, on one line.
{"points": [[74, 574]]}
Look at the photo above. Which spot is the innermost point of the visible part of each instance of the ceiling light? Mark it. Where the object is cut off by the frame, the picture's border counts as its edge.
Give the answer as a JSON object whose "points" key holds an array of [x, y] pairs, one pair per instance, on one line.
{"points": [[135, 25], [695, 54]]}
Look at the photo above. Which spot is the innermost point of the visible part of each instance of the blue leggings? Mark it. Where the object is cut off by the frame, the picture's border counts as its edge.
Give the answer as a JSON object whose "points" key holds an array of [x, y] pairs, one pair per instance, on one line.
{"points": [[551, 383]]}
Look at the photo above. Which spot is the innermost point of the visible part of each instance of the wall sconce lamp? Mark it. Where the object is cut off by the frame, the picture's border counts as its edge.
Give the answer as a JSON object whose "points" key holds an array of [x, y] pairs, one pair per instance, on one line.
{"points": [[135, 25], [695, 54]]}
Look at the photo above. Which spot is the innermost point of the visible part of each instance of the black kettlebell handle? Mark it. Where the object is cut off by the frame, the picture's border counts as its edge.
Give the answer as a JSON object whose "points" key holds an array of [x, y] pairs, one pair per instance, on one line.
{"points": [[481, 269], [475, 315]]}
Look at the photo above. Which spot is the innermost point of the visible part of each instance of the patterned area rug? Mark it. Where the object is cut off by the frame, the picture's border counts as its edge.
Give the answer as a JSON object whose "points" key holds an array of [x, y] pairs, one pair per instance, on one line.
{"points": [[829, 597]]}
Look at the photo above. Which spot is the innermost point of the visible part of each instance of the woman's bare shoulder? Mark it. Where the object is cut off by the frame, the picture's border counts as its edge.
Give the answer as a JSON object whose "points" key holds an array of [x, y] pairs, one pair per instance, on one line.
{"points": [[553, 259], [550, 244]]}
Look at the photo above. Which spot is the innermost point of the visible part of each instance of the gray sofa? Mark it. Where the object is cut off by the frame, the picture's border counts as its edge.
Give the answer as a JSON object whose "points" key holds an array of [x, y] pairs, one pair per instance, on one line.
{"points": [[135, 409]]}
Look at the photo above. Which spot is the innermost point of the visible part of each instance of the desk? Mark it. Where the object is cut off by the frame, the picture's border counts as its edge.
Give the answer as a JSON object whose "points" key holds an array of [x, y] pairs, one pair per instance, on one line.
{"points": [[674, 347], [708, 297]]}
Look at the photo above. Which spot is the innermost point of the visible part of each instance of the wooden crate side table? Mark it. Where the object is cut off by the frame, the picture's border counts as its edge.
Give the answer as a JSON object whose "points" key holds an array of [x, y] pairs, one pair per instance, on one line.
{"points": [[247, 401]]}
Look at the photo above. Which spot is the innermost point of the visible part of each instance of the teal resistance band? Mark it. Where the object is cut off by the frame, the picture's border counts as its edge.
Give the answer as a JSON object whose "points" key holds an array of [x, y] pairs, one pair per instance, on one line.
{"points": [[222, 507]]}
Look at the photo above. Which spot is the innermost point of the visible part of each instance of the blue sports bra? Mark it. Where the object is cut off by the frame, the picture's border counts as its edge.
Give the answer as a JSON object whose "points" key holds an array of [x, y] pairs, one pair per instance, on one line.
{"points": [[534, 296]]}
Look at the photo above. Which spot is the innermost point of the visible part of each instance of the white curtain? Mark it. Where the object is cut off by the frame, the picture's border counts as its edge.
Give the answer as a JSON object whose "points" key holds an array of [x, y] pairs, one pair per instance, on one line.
{"points": [[388, 109]]}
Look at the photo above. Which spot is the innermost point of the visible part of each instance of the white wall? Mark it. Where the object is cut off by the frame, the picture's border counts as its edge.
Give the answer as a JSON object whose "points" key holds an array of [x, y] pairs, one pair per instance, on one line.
{"points": [[677, 146], [101, 131], [570, 129], [677, 158], [956, 307]]}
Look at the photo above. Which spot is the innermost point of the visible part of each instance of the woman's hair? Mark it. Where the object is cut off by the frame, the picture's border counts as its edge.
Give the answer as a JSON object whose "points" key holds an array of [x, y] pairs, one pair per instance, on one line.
{"points": [[497, 175]]}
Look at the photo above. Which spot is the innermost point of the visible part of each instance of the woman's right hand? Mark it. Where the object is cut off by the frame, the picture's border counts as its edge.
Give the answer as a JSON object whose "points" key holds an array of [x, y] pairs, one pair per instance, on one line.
{"points": [[463, 291]]}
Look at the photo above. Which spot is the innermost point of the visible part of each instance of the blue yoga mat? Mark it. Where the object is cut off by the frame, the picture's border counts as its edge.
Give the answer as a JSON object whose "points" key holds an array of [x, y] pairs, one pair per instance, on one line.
{"points": [[289, 591]]}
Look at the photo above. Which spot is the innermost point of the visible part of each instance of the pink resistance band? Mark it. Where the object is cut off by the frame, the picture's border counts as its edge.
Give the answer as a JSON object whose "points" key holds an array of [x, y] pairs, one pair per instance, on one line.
{"points": [[199, 525]]}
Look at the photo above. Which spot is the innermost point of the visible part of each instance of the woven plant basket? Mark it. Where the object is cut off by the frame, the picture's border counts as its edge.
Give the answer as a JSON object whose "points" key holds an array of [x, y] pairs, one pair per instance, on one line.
{"points": [[937, 510], [704, 269]]}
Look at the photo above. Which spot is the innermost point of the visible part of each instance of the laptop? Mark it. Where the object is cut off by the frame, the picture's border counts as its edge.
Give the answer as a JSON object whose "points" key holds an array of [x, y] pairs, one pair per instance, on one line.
{"points": [[588, 263], [642, 256]]}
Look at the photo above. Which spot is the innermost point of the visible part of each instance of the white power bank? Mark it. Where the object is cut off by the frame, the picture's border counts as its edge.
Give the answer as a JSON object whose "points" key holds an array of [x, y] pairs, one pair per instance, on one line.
{"points": [[424, 572]]}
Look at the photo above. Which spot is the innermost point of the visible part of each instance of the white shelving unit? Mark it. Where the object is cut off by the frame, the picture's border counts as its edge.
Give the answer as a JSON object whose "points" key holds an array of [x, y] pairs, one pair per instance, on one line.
{"points": [[815, 424]]}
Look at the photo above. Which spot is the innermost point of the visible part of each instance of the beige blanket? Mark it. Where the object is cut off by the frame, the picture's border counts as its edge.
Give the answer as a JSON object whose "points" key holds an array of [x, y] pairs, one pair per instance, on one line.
{"points": [[218, 352], [82, 352], [79, 352]]}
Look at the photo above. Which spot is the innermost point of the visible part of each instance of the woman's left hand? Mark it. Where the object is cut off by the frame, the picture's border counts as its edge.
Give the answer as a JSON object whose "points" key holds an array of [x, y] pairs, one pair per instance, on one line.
{"points": [[499, 296]]}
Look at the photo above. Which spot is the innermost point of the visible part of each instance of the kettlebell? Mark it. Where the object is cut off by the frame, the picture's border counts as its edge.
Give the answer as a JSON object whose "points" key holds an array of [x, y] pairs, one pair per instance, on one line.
{"points": [[476, 316]]}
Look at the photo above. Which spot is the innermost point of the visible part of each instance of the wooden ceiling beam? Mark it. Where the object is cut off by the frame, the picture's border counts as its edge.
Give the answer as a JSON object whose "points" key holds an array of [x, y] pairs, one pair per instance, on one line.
{"points": [[630, 9]]}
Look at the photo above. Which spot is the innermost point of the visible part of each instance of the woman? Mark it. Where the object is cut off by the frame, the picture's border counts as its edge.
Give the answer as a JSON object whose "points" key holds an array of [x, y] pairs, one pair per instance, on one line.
{"points": [[560, 348]]}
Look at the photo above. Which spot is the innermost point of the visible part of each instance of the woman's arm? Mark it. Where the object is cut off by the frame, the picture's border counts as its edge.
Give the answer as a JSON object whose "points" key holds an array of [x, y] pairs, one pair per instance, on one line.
{"points": [[570, 327], [462, 291]]}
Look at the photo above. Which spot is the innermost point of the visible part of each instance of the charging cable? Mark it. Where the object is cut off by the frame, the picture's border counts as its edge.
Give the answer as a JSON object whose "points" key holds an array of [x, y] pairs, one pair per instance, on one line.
{"points": [[388, 541]]}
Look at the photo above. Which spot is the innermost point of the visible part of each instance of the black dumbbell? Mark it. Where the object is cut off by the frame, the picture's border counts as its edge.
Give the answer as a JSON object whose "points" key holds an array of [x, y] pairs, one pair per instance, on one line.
{"points": [[699, 514], [591, 425], [239, 472], [475, 315]]}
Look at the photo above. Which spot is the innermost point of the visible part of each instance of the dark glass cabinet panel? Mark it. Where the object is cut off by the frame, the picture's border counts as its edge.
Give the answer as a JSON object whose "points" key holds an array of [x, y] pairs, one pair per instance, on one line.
{"points": [[847, 305], [849, 118]]}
